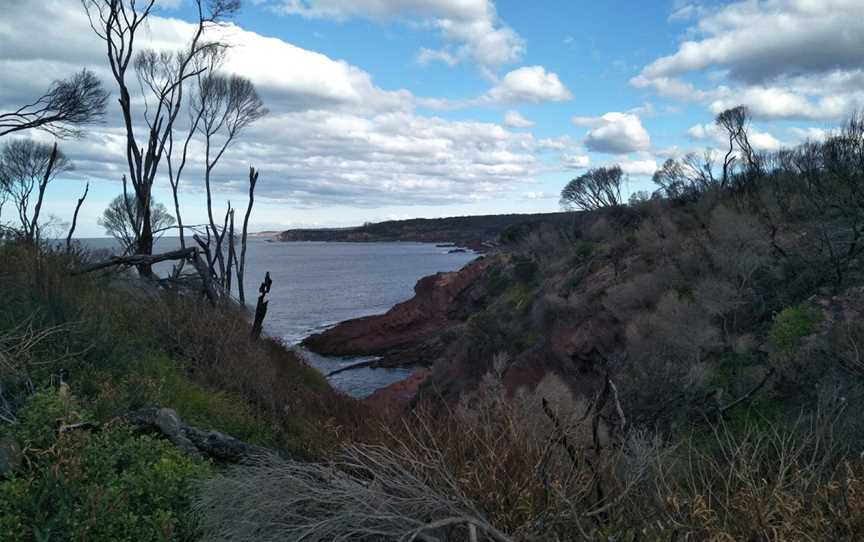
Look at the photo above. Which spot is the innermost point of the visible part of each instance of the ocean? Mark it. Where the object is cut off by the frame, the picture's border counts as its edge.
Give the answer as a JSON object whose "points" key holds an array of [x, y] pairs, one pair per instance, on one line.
{"points": [[317, 284]]}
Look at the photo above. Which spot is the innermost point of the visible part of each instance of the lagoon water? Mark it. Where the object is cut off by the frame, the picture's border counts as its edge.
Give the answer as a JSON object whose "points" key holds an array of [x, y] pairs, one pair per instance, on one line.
{"points": [[316, 285]]}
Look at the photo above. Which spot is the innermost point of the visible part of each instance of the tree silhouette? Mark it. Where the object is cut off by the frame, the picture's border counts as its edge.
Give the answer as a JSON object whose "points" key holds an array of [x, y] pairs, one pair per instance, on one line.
{"points": [[67, 105]]}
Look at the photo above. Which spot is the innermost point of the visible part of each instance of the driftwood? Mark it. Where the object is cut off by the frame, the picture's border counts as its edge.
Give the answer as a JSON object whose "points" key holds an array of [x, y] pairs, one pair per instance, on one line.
{"points": [[193, 440], [137, 259], [261, 307]]}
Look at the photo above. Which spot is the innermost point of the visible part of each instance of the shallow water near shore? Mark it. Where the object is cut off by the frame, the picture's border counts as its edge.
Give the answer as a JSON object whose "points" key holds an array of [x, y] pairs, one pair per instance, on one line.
{"points": [[317, 285]]}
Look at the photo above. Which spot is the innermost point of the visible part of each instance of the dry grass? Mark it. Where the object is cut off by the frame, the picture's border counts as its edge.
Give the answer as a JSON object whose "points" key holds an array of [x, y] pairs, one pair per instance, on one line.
{"points": [[517, 472]]}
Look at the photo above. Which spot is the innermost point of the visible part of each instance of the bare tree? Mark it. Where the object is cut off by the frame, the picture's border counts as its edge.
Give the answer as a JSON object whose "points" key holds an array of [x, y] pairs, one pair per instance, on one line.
{"points": [[225, 105], [687, 178], [75, 217], [120, 217], [209, 59], [26, 169], [241, 265], [67, 105], [117, 23], [736, 122], [595, 189]]}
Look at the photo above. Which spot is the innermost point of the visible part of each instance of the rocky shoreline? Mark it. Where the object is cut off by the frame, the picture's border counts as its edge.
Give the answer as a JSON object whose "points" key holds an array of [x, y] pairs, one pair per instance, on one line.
{"points": [[407, 334]]}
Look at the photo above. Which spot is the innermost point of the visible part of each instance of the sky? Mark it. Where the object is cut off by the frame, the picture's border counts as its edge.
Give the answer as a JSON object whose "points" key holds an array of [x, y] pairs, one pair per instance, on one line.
{"points": [[391, 109]]}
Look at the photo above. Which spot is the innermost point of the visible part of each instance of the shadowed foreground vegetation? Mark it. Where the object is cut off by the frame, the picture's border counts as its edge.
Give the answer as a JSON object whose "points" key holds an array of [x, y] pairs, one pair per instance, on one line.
{"points": [[89, 349]]}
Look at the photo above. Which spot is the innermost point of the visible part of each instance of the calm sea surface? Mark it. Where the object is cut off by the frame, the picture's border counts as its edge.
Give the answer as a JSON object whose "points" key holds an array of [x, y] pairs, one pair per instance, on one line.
{"points": [[316, 285]]}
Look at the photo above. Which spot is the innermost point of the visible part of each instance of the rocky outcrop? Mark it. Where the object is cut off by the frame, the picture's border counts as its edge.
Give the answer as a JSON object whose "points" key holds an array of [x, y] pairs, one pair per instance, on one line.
{"points": [[409, 333], [397, 397]]}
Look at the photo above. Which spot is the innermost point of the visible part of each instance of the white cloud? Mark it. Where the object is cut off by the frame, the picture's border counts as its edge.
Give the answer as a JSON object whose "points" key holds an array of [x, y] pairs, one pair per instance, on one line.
{"points": [[614, 133], [554, 143], [761, 141], [758, 41], [514, 119], [529, 84], [539, 195], [638, 167], [783, 58], [809, 134], [471, 29], [425, 56], [332, 135], [575, 161]]}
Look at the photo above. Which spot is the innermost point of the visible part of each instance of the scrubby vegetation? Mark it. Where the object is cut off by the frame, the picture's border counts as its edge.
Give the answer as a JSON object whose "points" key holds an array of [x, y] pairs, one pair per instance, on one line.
{"points": [[78, 353], [684, 367]]}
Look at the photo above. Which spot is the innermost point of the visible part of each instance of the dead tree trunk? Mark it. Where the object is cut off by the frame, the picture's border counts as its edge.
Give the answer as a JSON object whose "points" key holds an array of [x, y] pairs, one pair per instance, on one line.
{"points": [[261, 307], [138, 260], [75, 218], [241, 265]]}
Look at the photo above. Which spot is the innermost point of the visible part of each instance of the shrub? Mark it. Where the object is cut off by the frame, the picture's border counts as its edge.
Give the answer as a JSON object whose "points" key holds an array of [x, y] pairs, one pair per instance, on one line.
{"points": [[107, 485], [158, 381], [791, 325]]}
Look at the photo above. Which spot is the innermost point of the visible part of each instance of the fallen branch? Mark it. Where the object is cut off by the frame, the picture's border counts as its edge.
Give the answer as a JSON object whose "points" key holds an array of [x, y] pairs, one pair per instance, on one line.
{"points": [[138, 259], [193, 440]]}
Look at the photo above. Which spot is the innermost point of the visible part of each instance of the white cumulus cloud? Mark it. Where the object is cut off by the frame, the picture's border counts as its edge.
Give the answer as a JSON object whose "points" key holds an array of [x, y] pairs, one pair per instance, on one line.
{"points": [[514, 119], [471, 29], [614, 133], [785, 59], [332, 137], [529, 84]]}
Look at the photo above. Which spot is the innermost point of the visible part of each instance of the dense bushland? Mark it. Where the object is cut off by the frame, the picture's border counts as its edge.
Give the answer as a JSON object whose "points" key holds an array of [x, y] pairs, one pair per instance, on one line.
{"points": [[79, 352]]}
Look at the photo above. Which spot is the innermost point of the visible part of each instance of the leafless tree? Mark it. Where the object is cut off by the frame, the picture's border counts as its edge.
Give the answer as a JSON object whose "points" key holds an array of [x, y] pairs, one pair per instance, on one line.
{"points": [[736, 122], [595, 189], [224, 106], [832, 185], [120, 217], [67, 105], [209, 59], [26, 169], [241, 264], [75, 218], [117, 23], [687, 178]]}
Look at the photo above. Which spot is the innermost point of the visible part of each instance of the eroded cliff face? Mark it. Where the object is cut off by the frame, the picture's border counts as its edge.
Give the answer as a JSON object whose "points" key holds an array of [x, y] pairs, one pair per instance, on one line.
{"points": [[411, 332], [514, 303]]}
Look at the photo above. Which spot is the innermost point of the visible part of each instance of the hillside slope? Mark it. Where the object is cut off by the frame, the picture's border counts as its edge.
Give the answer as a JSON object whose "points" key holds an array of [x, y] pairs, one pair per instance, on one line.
{"points": [[680, 305]]}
